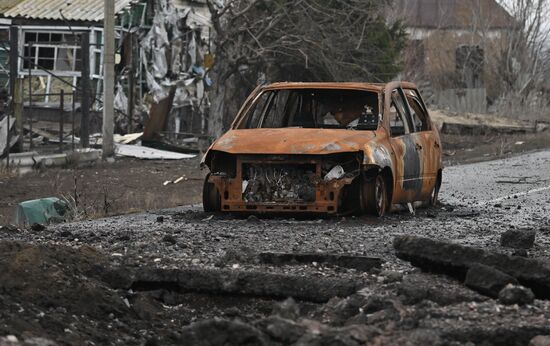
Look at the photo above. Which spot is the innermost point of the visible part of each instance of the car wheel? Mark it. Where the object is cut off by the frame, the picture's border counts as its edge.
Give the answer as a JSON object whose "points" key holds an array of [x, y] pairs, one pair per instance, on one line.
{"points": [[377, 197], [211, 200]]}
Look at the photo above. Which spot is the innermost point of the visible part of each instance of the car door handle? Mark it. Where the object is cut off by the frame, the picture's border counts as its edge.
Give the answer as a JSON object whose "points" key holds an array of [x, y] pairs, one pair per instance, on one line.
{"points": [[418, 146]]}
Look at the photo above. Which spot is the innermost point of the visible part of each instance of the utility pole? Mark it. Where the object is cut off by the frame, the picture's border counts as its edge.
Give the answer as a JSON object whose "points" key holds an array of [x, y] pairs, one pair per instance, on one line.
{"points": [[108, 78]]}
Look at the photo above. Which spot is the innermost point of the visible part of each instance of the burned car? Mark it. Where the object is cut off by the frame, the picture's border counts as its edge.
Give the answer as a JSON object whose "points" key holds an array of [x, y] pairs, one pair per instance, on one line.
{"points": [[332, 148]]}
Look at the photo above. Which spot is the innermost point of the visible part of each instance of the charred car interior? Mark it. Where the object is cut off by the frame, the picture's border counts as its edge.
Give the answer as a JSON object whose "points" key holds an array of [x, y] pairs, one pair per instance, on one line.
{"points": [[325, 148]]}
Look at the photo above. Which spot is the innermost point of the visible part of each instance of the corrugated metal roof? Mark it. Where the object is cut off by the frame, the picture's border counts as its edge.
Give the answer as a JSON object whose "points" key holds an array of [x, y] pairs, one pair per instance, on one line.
{"points": [[7, 4], [74, 10]]}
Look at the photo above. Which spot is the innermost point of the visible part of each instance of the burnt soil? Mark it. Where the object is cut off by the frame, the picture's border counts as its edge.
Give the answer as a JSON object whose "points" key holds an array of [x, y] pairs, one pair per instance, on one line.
{"points": [[182, 276]]}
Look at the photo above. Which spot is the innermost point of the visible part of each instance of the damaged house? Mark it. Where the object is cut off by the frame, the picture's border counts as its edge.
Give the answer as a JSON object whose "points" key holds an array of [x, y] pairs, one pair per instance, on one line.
{"points": [[160, 53], [451, 45]]}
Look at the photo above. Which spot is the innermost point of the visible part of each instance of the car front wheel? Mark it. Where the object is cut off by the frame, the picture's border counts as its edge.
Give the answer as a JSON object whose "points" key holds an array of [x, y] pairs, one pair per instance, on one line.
{"points": [[211, 199], [376, 195]]}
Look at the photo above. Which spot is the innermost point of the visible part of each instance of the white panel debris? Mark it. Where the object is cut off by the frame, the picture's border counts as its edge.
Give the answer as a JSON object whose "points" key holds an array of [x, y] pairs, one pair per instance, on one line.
{"points": [[148, 153]]}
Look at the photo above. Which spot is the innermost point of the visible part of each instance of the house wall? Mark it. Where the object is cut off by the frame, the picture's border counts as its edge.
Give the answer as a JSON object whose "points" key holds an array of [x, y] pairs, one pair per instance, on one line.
{"points": [[432, 57]]}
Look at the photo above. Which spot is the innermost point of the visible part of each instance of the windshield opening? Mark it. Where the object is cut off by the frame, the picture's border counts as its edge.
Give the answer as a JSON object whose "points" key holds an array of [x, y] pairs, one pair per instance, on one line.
{"points": [[314, 108]]}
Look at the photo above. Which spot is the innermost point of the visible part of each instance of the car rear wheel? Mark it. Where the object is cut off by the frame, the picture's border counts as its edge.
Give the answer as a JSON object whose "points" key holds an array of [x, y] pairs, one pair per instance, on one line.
{"points": [[211, 199], [376, 195]]}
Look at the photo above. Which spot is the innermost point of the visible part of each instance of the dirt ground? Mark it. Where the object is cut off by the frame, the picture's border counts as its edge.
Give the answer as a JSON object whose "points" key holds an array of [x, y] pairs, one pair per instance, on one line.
{"points": [[126, 186], [131, 185]]}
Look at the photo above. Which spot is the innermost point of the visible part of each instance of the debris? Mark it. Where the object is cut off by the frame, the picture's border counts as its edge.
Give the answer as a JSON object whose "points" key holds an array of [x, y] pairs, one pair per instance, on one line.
{"points": [[250, 283], [178, 180], [167, 182], [127, 139], [221, 332], [411, 208], [361, 263], [42, 211], [515, 294], [37, 227], [455, 260], [518, 238], [487, 280], [281, 330], [540, 340], [160, 219], [169, 239], [148, 153], [286, 309], [335, 173], [4, 130]]}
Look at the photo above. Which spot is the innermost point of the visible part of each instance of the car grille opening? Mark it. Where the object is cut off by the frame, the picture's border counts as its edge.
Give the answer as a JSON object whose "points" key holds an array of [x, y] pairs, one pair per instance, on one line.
{"points": [[279, 183]]}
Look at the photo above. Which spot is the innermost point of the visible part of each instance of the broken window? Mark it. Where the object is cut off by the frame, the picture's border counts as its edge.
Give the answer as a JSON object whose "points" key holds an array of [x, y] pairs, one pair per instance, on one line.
{"points": [[311, 108], [52, 51], [469, 66], [399, 120], [419, 114]]}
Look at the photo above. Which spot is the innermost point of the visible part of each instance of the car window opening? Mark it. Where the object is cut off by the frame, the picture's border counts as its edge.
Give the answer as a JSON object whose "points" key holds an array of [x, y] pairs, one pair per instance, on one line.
{"points": [[308, 108]]}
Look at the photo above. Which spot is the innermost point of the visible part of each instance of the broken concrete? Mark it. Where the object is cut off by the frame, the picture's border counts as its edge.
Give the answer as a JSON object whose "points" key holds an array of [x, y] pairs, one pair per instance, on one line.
{"points": [[516, 294], [249, 283], [487, 280], [455, 260], [518, 238], [361, 263]]}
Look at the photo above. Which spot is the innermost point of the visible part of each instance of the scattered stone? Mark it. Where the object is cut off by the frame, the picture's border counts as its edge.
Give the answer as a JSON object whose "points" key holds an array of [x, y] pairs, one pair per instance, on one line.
{"points": [[516, 294], [38, 227], [170, 239], [160, 219], [253, 218], [221, 332], [520, 253], [65, 234], [281, 330], [361, 263], [391, 276], [518, 238], [287, 309], [487, 280], [9, 228], [540, 340]]}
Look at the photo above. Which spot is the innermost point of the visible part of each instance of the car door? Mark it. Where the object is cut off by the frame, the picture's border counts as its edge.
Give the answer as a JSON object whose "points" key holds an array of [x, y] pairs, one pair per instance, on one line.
{"points": [[427, 142], [407, 165]]}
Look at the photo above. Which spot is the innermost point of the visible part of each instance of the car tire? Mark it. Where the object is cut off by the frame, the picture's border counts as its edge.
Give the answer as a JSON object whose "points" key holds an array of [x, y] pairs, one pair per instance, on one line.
{"points": [[376, 195], [211, 199]]}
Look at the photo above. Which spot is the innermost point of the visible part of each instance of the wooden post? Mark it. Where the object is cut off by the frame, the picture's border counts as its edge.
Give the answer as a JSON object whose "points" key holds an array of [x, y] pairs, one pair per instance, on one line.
{"points": [[131, 82], [61, 111], [14, 84], [29, 114], [108, 78], [85, 96]]}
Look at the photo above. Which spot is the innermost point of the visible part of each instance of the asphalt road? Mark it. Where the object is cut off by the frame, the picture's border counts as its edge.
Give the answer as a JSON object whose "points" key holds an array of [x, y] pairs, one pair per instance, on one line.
{"points": [[479, 202]]}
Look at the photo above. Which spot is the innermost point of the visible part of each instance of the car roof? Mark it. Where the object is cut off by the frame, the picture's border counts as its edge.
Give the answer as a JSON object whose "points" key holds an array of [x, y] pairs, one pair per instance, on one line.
{"points": [[377, 87]]}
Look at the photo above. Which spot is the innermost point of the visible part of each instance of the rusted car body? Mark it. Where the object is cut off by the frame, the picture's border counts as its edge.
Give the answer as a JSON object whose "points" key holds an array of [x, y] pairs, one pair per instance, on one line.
{"points": [[325, 148]]}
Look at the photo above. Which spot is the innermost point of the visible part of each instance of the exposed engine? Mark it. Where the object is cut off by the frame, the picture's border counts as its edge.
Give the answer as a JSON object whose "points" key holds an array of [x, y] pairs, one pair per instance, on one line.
{"points": [[279, 183]]}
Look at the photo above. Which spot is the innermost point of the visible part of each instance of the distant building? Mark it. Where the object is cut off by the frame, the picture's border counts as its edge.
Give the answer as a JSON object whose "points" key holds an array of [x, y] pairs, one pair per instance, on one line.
{"points": [[452, 45]]}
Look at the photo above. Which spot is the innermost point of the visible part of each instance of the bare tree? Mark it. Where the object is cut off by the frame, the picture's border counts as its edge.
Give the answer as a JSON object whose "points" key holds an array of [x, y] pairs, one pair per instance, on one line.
{"points": [[525, 60], [260, 41]]}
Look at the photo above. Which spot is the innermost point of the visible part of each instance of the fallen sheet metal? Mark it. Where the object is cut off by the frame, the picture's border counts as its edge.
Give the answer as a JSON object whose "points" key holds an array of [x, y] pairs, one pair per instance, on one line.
{"points": [[148, 153]]}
